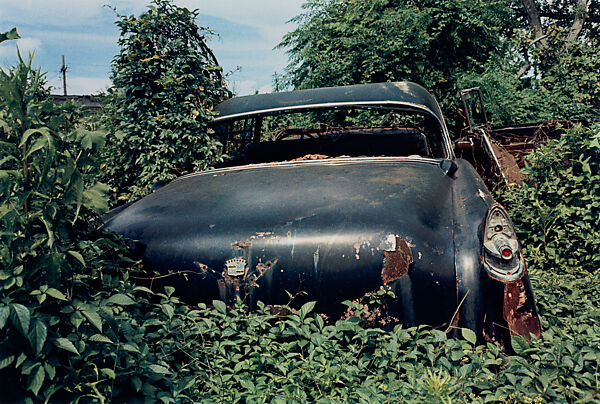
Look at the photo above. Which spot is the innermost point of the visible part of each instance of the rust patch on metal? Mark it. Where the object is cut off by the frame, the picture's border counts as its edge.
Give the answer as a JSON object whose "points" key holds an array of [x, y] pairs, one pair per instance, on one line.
{"points": [[508, 164], [241, 245], [519, 311], [396, 263], [260, 270]]}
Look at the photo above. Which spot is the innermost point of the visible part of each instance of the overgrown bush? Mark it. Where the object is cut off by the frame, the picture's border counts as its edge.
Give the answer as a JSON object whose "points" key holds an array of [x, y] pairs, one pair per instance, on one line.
{"points": [[72, 326], [557, 210], [242, 356], [166, 82]]}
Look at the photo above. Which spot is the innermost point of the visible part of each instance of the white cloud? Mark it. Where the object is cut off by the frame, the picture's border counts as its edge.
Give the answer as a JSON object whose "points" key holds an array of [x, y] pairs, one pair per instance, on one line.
{"points": [[8, 50], [77, 37], [249, 12], [248, 87], [80, 85], [53, 12], [66, 26], [255, 12], [73, 13]]}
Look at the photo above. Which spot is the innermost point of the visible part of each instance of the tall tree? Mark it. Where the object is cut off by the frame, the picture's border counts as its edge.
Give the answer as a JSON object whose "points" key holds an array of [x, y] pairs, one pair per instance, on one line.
{"points": [[166, 81], [430, 42], [535, 60]]}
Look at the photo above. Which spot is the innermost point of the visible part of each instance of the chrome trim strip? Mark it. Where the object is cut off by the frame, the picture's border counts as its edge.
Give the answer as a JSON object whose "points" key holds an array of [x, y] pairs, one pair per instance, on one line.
{"points": [[329, 162]]}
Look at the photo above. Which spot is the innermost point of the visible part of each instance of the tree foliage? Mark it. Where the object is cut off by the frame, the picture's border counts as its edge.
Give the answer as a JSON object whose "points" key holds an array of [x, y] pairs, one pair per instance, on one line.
{"points": [[550, 72], [166, 82], [529, 70], [433, 43]]}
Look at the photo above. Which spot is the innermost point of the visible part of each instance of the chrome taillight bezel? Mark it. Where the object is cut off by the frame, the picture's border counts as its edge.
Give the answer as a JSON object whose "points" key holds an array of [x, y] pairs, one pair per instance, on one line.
{"points": [[499, 238]]}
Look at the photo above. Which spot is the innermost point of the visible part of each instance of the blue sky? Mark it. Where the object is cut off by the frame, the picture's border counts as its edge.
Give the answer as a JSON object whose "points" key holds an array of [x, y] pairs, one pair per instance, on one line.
{"points": [[84, 31]]}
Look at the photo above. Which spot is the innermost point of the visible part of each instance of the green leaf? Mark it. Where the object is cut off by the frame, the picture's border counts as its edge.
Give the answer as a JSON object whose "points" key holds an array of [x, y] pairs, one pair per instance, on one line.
{"points": [[120, 299], [143, 289], [4, 313], [306, 308], [469, 335], [7, 361], [65, 344], [20, 359], [12, 34], [50, 370], [220, 306], [168, 310], [136, 382], [36, 379], [77, 256], [159, 369], [57, 294], [100, 338], [43, 142], [94, 318], [49, 231], [19, 316], [37, 336], [96, 198], [519, 344], [108, 373], [130, 348], [90, 139]]}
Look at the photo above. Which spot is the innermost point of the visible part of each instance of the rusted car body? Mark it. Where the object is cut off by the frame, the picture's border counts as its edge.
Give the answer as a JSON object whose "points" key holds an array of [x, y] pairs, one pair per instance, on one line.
{"points": [[337, 211], [498, 152]]}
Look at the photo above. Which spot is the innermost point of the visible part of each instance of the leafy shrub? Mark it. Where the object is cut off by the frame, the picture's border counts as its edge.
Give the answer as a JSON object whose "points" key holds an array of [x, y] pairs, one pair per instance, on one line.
{"points": [[557, 210], [242, 356], [71, 325], [166, 82]]}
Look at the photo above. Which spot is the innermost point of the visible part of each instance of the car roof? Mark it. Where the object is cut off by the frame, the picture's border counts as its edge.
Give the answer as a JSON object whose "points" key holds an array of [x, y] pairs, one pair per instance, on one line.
{"points": [[404, 95]]}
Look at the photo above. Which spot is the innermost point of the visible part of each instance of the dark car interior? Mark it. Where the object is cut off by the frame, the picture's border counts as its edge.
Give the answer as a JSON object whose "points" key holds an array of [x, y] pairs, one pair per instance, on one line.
{"points": [[383, 142], [266, 139]]}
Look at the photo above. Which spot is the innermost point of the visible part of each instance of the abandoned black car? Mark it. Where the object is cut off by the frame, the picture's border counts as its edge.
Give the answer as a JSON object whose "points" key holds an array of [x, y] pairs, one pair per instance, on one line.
{"points": [[335, 192]]}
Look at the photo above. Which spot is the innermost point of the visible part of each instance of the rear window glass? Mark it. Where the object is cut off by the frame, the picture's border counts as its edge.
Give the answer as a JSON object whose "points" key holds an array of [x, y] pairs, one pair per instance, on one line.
{"points": [[321, 134]]}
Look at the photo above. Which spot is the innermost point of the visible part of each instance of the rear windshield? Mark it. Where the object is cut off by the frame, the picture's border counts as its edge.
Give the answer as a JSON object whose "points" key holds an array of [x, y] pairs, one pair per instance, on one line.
{"points": [[322, 134]]}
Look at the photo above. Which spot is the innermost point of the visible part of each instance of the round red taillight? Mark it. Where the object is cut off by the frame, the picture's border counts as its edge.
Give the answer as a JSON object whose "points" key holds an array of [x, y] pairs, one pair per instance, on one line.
{"points": [[507, 253]]}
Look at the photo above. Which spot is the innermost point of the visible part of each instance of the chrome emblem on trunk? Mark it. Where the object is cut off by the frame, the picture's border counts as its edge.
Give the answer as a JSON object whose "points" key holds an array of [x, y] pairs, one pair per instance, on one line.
{"points": [[236, 266]]}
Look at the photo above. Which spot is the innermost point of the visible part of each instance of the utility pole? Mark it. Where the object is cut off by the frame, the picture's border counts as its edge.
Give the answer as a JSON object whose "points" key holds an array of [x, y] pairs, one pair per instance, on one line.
{"points": [[63, 70]]}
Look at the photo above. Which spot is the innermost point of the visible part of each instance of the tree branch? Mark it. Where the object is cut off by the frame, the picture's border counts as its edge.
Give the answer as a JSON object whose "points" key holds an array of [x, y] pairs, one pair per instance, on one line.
{"points": [[533, 17], [581, 11], [524, 69], [562, 16]]}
